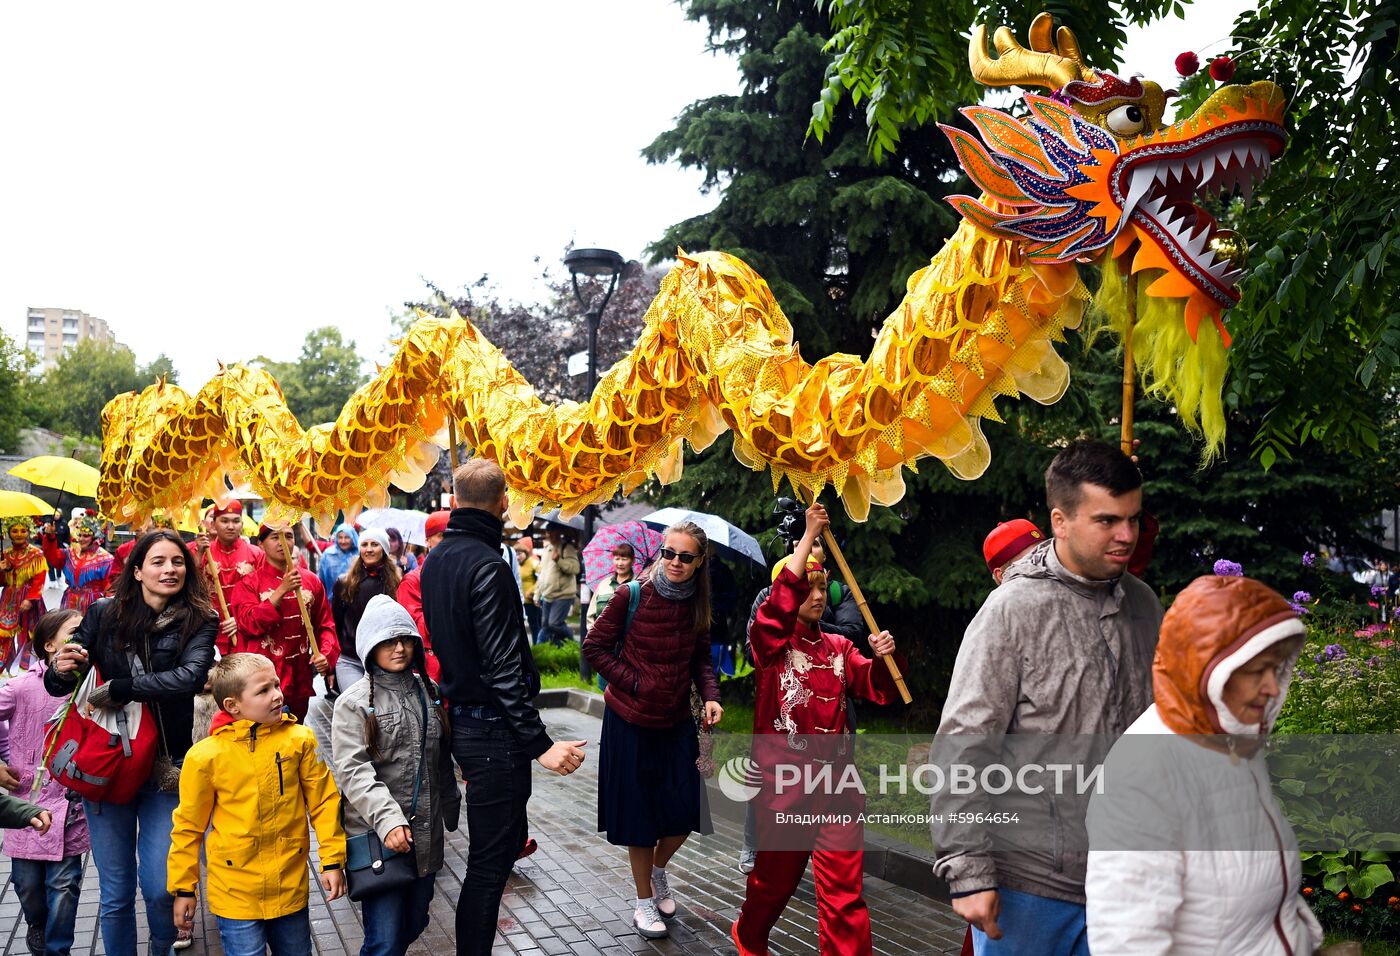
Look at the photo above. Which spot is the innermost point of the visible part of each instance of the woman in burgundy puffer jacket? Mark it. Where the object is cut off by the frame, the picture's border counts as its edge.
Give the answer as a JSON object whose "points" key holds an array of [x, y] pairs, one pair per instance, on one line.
{"points": [[650, 795]]}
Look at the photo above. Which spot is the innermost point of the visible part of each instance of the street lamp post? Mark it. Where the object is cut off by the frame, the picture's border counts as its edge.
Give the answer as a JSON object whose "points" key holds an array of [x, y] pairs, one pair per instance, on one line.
{"points": [[597, 264]]}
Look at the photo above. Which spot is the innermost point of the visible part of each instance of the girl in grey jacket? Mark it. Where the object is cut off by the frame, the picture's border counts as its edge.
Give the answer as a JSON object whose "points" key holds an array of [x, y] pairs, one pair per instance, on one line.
{"points": [[390, 739]]}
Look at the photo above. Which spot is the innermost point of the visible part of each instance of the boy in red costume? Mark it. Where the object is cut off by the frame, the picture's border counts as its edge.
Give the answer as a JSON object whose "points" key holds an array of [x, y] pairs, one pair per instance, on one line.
{"points": [[804, 675], [270, 623]]}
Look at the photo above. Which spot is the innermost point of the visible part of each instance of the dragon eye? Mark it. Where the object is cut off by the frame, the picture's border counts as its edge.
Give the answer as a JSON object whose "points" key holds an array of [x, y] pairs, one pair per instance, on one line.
{"points": [[1126, 120]]}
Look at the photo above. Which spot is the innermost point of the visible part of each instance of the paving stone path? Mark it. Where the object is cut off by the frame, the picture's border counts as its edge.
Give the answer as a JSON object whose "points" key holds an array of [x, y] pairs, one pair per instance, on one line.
{"points": [[572, 897]]}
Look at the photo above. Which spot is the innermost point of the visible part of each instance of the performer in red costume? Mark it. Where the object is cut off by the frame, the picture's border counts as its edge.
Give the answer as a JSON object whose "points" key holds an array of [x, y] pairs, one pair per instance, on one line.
{"points": [[804, 675], [86, 565], [266, 605], [23, 571], [224, 552]]}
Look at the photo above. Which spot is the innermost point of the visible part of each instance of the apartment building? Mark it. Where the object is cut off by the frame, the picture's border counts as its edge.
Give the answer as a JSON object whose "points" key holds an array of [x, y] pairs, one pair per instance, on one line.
{"points": [[53, 331]]}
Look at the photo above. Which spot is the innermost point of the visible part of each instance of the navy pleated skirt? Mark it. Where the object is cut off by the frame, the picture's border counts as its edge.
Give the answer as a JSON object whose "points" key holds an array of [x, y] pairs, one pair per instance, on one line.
{"points": [[648, 786]]}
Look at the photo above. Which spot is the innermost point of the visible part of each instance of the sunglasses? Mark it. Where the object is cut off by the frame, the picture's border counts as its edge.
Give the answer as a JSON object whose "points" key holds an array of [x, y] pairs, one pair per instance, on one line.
{"points": [[685, 557]]}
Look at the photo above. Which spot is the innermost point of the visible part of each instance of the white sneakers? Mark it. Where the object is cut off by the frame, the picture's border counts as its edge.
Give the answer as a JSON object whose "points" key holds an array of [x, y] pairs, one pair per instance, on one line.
{"points": [[647, 921]]}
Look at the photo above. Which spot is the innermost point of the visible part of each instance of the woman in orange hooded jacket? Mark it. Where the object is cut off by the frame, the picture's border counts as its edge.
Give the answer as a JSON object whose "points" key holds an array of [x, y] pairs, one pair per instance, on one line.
{"points": [[1188, 850]]}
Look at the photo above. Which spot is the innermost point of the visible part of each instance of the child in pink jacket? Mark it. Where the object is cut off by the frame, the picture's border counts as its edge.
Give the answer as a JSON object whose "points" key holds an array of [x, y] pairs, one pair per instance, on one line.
{"points": [[46, 868]]}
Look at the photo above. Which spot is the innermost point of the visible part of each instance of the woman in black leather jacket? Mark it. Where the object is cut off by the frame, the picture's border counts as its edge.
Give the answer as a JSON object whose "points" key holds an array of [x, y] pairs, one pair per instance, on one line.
{"points": [[152, 642]]}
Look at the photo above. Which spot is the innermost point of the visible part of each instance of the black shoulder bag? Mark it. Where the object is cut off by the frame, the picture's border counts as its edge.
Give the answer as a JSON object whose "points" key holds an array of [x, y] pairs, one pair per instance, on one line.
{"points": [[371, 870]]}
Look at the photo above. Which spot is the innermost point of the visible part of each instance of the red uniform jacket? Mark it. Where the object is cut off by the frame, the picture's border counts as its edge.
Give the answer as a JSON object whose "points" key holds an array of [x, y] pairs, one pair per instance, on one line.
{"points": [[410, 596], [804, 673], [803, 677], [277, 632]]}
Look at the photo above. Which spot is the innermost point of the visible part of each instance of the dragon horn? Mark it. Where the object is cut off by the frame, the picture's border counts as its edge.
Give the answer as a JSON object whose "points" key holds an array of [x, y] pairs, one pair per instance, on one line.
{"points": [[1049, 64]]}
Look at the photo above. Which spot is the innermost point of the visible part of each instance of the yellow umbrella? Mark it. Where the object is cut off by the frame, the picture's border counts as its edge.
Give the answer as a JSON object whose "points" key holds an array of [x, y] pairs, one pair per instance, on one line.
{"points": [[16, 503], [65, 474]]}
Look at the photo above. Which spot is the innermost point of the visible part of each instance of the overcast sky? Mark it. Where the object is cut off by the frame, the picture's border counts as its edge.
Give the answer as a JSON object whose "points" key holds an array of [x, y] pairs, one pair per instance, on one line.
{"points": [[215, 180]]}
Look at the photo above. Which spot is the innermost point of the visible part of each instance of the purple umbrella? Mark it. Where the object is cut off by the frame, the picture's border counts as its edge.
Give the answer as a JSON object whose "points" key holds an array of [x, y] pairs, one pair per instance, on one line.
{"points": [[597, 556]]}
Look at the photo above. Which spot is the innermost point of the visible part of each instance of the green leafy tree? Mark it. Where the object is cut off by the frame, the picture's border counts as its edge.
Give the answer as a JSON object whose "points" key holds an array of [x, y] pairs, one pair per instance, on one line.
{"points": [[161, 368], [319, 383], [70, 396], [15, 385], [906, 60], [1318, 330]]}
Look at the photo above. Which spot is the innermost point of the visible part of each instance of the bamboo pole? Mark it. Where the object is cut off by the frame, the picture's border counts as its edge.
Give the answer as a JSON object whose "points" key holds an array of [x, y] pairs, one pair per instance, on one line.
{"points": [[834, 550], [313, 651], [211, 568], [452, 443], [1129, 372]]}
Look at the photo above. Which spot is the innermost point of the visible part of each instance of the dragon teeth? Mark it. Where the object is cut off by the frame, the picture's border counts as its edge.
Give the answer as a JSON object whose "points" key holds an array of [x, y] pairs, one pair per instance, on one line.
{"points": [[1141, 182], [1195, 246]]}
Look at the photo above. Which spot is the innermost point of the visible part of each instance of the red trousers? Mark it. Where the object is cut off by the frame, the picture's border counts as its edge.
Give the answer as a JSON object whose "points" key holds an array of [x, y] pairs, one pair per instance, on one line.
{"points": [[843, 921]]}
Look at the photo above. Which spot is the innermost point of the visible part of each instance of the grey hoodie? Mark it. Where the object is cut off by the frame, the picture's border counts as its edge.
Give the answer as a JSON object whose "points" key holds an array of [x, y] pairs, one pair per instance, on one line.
{"points": [[379, 792], [1048, 653]]}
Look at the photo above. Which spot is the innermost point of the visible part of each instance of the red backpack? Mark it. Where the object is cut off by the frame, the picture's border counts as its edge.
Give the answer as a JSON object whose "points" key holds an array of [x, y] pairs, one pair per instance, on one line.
{"points": [[100, 764]]}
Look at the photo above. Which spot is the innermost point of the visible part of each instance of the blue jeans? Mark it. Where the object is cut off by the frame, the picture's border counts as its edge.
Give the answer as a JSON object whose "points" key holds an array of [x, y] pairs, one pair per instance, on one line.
{"points": [[288, 935], [1035, 926], [48, 893], [554, 614], [130, 843], [394, 920], [498, 788]]}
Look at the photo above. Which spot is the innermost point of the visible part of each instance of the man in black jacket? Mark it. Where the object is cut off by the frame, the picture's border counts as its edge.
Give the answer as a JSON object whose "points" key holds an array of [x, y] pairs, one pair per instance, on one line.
{"points": [[471, 605]]}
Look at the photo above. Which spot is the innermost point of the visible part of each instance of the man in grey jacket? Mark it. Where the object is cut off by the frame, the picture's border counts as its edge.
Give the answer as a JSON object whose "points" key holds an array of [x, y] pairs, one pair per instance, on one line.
{"points": [[1064, 646]]}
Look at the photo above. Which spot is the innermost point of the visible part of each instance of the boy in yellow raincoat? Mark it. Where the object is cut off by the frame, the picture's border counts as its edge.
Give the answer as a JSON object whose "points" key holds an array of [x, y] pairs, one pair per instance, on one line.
{"points": [[255, 778]]}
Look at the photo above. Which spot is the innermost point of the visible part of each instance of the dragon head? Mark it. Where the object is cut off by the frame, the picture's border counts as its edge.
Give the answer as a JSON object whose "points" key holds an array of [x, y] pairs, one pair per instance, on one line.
{"points": [[1094, 170]]}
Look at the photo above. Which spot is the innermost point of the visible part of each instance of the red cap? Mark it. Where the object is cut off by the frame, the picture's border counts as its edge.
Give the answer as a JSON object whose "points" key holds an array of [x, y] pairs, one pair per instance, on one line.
{"points": [[234, 507], [264, 530], [436, 523], [1009, 539]]}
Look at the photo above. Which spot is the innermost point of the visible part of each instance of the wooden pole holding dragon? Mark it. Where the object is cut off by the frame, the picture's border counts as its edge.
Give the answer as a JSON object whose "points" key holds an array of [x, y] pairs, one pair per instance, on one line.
{"points": [[313, 651], [1129, 373], [834, 549], [212, 570]]}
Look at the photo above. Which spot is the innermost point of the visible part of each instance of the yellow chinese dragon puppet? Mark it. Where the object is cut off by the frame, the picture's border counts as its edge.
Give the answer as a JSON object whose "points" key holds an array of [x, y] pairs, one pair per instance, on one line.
{"points": [[1088, 174]]}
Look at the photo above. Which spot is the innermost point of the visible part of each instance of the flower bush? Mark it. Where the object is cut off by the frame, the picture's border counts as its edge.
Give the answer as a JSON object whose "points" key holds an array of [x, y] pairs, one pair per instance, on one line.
{"points": [[1347, 681], [1377, 917]]}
